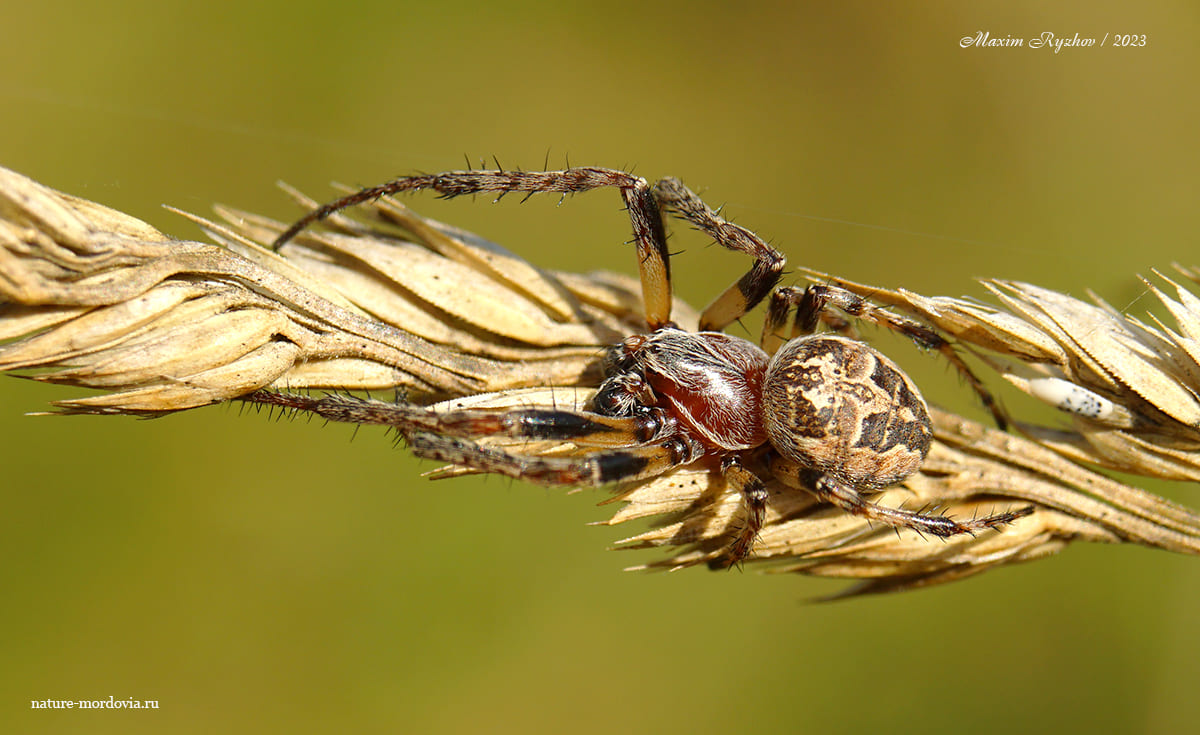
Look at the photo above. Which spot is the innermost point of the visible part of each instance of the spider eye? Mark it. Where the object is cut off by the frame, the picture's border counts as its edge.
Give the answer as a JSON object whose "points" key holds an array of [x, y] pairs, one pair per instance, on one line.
{"points": [[841, 407], [618, 359]]}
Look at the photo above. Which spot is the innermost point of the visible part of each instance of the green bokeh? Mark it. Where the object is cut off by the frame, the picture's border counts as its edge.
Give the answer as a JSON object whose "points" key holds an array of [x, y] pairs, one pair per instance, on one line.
{"points": [[277, 577]]}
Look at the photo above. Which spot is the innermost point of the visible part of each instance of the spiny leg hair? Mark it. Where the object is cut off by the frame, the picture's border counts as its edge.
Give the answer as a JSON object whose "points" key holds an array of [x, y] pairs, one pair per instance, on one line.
{"points": [[649, 233], [650, 443], [847, 498], [753, 493], [596, 468], [586, 429], [752, 287], [645, 206]]}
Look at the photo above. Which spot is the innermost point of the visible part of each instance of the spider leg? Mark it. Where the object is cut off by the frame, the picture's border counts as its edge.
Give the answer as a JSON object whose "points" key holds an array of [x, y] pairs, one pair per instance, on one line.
{"points": [[845, 496], [754, 501], [650, 445], [645, 213], [649, 234], [811, 303], [582, 428], [752, 287], [849, 499], [595, 468], [782, 301]]}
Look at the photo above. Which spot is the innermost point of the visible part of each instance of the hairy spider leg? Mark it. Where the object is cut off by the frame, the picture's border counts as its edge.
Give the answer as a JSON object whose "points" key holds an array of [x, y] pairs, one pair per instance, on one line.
{"points": [[812, 302], [583, 428], [650, 442], [753, 493], [751, 288], [593, 469], [645, 205], [846, 497], [649, 234]]}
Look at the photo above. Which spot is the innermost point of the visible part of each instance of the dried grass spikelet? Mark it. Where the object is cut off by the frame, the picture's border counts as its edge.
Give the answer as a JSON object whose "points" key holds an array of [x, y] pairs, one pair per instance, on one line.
{"points": [[93, 298], [1131, 390]]}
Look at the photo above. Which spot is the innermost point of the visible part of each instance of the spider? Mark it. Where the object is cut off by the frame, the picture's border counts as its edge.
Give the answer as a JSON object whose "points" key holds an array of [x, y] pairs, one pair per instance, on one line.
{"points": [[843, 418]]}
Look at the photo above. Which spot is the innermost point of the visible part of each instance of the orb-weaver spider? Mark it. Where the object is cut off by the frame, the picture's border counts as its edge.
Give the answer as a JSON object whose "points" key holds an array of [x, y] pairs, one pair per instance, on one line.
{"points": [[833, 413]]}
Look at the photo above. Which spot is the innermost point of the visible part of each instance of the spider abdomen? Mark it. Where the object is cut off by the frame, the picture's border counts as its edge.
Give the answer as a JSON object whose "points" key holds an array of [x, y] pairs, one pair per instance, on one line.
{"points": [[841, 407]]}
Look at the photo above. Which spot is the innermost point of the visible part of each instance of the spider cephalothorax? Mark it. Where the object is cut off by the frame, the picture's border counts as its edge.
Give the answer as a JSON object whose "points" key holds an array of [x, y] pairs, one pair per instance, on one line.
{"points": [[843, 417], [709, 382]]}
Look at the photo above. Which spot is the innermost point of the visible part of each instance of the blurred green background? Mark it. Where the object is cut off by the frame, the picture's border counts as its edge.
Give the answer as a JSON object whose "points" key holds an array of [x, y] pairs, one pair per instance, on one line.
{"points": [[257, 576]]}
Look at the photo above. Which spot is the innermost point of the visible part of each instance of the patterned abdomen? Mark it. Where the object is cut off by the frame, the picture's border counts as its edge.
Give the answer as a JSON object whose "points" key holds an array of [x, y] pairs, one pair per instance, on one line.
{"points": [[839, 406]]}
